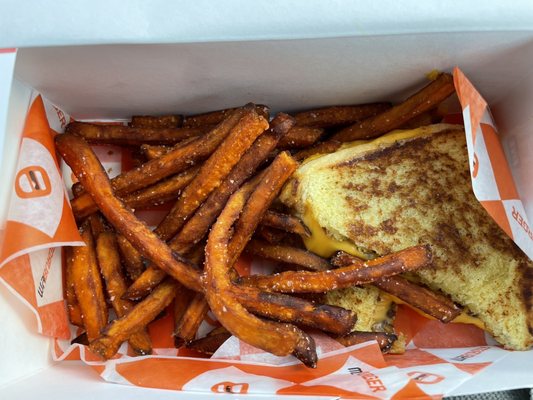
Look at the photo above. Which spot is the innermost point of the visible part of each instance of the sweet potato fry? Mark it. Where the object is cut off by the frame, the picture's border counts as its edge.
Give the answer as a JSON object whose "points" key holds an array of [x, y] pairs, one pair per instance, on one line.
{"points": [[77, 189], [342, 259], [215, 117], [410, 259], [98, 224], [151, 151], [285, 222], [157, 194], [278, 307], [300, 137], [281, 308], [427, 118], [131, 136], [83, 206], [287, 254], [111, 269], [294, 310], [432, 303], [131, 258], [73, 307], [136, 157], [192, 315], [88, 286], [163, 121], [426, 99], [188, 325], [326, 147], [109, 261], [81, 339], [150, 278], [180, 158], [197, 253], [275, 306], [260, 200], [212, 173], [182, 300], [144, 283], [385, 340], [270, 235], [162, 192], [217, 330], [83, 162], [210, 343], [277, 338], [196, 228], [335, 116], [426, 300], [141, 315]]}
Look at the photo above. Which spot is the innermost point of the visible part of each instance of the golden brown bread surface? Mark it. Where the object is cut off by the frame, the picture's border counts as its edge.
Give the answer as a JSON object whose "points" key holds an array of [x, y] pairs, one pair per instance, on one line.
{"points": [[417, 190]]}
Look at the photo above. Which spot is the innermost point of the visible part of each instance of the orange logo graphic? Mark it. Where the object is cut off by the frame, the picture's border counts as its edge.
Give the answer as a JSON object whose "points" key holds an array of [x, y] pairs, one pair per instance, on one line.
{"points": [[475, 166], [32, 181], [425, 378], [230, 387]]}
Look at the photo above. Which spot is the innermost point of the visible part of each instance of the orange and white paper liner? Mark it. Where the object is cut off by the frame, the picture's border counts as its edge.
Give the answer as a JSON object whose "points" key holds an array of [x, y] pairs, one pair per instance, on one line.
{"points": [[39, 214], [39, 221], [439, 357], [492, 180], [358, 371]]}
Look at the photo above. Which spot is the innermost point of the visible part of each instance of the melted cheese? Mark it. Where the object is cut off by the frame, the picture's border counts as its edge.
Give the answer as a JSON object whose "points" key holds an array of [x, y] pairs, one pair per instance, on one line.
{"points": [[464, 318], [320, 243], [433, 74], [382, 308]]}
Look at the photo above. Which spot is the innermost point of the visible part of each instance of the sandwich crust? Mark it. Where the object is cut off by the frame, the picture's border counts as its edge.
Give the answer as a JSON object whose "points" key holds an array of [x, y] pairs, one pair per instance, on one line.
{"points": [[411, 188]]}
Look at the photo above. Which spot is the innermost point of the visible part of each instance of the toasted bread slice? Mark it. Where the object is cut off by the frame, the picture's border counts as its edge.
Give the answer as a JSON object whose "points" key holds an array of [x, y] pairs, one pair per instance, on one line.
{"points": [[414, 187]]}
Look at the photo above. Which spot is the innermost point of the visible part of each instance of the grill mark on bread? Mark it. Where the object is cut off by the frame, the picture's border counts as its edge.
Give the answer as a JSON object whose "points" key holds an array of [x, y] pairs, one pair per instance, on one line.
{"points": [[388, 226], [384, 152], [433, 183]]}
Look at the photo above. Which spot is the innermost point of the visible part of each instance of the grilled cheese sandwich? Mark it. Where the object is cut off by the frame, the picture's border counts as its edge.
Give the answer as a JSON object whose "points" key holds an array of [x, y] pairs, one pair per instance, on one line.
{"points": [[408, 188]]}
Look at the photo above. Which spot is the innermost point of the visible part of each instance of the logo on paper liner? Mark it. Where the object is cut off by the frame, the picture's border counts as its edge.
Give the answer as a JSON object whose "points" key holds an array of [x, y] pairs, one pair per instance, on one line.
{"points": [[425, 378], [230, 387], [46, 271], [32, 181], [38, 197]]}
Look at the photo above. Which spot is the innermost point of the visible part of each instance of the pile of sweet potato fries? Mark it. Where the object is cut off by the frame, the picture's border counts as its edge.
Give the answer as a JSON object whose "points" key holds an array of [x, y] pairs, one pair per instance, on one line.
{"points": [[222, 172]]}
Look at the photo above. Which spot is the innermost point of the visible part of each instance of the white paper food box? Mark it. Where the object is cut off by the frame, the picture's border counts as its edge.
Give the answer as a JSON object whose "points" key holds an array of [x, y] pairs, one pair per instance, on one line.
{"points": [[295, 68]]}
